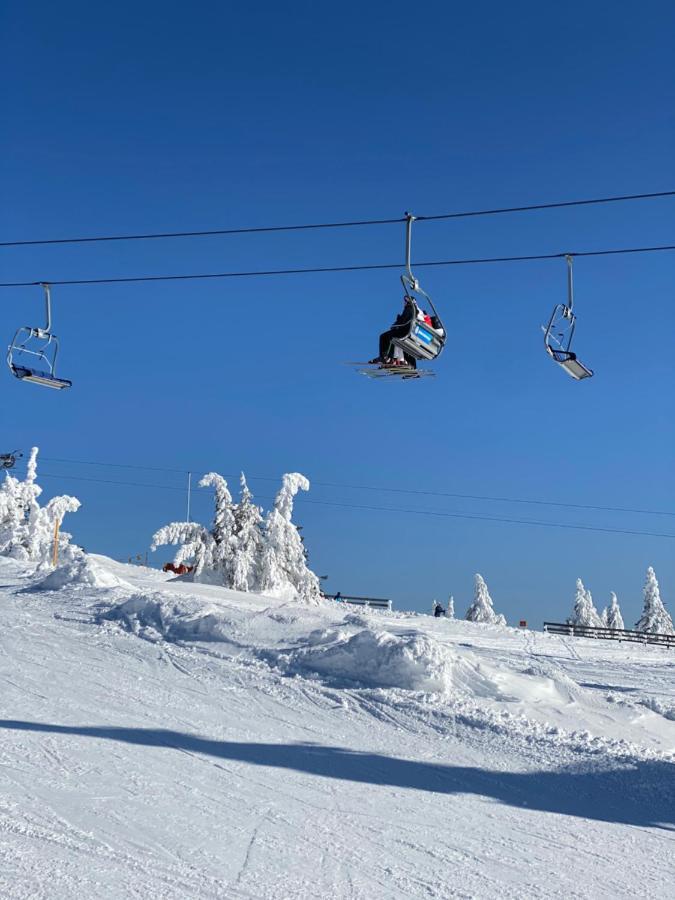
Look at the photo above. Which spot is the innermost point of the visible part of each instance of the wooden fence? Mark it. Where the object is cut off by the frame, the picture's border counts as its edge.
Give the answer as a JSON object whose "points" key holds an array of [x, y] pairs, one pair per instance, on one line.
{"points": [[610, 634]]}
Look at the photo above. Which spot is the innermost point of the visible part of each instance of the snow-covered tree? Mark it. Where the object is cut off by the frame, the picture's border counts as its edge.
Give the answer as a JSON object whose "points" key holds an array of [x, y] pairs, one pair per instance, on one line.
{"points": [[655, 618], [284, 564], [26, 528], [209, 550], [194, 544], [248, 543], [584, 612], [451, 608], [612, 614], [481, 609], [221, 546], [242, 551]]}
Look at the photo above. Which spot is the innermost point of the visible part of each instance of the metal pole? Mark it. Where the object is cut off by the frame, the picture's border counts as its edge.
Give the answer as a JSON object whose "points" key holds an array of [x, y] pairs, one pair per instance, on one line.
{"points": [[48, 308], [570, 285], [189, 491]]}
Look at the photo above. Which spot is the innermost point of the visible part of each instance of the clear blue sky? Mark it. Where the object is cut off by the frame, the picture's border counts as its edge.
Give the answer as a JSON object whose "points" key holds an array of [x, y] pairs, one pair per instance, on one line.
{"points": [[153, 116]]}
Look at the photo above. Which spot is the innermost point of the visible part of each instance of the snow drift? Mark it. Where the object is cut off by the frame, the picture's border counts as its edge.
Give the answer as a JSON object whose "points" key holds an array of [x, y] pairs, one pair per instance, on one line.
{"points": [[81, 571]]}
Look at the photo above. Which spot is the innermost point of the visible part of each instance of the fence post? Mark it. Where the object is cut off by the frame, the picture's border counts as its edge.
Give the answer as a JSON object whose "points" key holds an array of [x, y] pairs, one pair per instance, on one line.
{"points": [[55, 551]]}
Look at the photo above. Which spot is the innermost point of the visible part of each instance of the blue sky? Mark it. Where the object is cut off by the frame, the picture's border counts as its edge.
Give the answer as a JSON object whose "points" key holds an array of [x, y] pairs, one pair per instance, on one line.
{"points": [[154, 117]]}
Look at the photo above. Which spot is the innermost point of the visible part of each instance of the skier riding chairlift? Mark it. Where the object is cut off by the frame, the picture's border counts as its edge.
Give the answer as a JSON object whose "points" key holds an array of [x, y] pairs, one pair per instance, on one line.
{"points": [[415, 334]]}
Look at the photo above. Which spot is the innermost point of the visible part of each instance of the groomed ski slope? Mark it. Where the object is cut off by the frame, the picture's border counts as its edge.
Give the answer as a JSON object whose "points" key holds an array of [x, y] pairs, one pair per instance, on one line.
{"points": [[166, 740]]}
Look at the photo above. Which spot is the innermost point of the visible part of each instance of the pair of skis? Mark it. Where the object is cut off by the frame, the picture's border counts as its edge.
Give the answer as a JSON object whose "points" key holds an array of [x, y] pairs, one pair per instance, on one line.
{"points": [[379, 370]]}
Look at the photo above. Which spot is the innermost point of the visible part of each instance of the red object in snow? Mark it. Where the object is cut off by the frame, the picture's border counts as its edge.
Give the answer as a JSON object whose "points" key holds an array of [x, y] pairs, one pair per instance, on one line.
{"points": [[182, 569]]}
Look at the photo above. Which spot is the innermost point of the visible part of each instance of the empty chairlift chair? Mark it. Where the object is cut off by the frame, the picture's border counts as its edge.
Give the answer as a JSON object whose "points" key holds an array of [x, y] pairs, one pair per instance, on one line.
{"points": [[32, 354], [559, 332]]}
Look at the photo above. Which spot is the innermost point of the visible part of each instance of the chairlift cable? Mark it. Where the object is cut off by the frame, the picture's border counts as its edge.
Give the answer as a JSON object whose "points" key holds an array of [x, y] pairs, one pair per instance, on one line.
{"points": [[399, 510], [370, 487], [477, 497], [328, 269], [322, 225]]}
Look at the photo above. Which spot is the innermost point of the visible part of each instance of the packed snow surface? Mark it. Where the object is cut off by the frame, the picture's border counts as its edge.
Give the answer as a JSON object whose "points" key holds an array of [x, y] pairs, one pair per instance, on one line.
{"points": [[163, 739]]}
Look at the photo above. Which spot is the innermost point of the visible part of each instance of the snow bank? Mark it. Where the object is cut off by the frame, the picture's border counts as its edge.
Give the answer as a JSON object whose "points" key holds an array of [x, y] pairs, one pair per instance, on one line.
{"points": [[162, 615], [83, 571], [376, 659]]}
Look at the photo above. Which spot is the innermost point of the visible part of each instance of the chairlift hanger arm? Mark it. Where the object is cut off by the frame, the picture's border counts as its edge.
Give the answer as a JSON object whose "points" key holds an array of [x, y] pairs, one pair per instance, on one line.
{"points": [[410, 282], [48, 307], [570, 282]]}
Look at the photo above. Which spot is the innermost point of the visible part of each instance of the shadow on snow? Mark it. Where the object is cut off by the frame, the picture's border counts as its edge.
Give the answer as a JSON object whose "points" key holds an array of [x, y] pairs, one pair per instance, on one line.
{"points": [[639, 793]]}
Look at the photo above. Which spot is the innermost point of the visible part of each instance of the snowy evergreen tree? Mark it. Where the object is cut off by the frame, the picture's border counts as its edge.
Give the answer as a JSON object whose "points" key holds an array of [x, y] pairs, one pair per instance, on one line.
{"points": [[481, 609], [655, 618], [248, 542], [26, 528], [284, 564], [603, 618], [242, 551], [221, 547], [584, 612], [194, 544], [210, 551], [451, 607], [613, 615]]}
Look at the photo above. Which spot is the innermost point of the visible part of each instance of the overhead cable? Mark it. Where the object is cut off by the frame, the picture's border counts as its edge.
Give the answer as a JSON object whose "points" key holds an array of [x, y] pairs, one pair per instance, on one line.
{"points": [[319, 225], [399, 510], [324, 269], [369, 487]]}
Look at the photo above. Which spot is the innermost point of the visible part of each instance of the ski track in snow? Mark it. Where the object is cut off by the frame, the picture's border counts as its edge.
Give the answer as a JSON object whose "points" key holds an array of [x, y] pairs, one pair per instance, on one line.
{"points": [[309, 752]]}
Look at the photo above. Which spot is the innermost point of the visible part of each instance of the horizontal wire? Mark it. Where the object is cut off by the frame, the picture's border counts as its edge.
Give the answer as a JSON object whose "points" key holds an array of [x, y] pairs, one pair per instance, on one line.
{"points": [[382, 489], [453, 515], [325, 269], [394, 509], [87, 462], [353, 224]]}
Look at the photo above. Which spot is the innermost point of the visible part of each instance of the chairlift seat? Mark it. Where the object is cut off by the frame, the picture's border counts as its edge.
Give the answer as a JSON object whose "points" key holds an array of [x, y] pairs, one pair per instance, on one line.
{"points": [[422, 341], [573, 366], [24, 373]]}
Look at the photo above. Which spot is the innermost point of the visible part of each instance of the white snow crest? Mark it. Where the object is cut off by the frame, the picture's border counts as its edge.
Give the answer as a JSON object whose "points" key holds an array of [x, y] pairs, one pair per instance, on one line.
{"points": [[160, 615], [376, 659], [80, 570]]}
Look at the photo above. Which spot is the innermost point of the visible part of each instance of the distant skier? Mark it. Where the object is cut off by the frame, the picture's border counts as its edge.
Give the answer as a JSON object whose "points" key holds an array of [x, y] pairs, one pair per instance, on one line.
{"points": [[438, 610]]}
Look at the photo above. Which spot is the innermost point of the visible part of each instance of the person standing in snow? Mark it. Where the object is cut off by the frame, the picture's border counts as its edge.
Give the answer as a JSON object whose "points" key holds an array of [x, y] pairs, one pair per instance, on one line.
{"points": [[438, 610]]}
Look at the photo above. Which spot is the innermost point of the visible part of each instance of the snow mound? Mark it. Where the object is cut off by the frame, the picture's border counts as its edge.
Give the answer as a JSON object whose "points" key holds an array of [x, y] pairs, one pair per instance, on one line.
{"points": [[162, 615], [377, 659], [81, 570]]}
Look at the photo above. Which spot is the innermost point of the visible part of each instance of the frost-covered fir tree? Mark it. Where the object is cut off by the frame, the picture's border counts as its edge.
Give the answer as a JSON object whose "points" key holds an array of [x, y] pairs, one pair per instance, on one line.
{"points": [[222, 530], [613, 614], [584, 612], [655, 618], [284, 566], [210, 551], [451, 608], [481, 609], [26, 528], [248, 543]]}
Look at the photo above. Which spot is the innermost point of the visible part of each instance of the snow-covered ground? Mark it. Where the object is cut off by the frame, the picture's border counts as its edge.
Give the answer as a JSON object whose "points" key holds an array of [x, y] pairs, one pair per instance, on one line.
{"points": [[166, 740]]}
